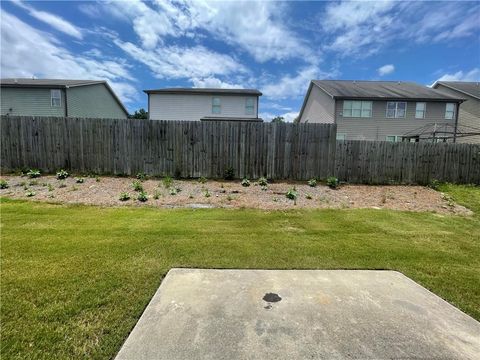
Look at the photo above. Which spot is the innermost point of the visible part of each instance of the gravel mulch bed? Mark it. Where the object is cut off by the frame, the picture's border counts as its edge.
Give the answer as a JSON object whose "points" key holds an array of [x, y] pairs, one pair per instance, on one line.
{"points": [[105, 191]]}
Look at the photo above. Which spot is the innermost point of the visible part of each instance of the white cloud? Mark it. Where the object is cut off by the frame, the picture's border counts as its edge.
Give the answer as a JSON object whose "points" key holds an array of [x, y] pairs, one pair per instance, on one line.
{"points": [[386, 69], [27, 52], [472, 75], [213, 82], [362, 28], [181, 62], [257, 28], [53, 20]]}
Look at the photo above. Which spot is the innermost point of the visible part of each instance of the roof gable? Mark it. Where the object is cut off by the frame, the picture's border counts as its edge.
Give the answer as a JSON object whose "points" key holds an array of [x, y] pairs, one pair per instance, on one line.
{"points": [[469, 88]]}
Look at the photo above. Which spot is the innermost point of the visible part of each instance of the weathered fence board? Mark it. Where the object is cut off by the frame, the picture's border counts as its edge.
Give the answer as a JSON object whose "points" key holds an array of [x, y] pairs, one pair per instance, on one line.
{"points": [[174, 148], [377, 162]]}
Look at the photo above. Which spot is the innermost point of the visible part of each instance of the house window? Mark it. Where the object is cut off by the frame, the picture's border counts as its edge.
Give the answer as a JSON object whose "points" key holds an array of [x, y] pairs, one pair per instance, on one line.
{"points": [[396, 109], [420, 110], [249, 106], [216, 105], [55, 98], [393, 138], [449, 111], [353, 108], [341, 136]]}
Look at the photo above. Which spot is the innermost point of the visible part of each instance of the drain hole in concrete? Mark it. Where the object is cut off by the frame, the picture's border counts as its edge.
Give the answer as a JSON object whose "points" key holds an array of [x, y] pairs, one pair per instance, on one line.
{"points": [[272, 297]]}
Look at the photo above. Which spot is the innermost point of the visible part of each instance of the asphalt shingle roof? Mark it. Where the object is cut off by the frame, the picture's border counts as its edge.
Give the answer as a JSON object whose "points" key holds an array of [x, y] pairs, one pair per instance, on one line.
{"points": [[356, 89], [48, 82], [205, 91], [469, 88]]}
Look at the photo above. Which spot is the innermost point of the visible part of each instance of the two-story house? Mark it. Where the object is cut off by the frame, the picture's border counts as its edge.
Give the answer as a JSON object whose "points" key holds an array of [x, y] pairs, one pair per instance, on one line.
{"points": [[382, 110], [468, 129], [60, 98], [203, 104]]}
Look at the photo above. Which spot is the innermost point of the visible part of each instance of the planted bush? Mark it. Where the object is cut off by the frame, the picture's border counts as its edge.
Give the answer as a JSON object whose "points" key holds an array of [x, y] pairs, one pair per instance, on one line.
{"points": [[262, 181], [332, 182], [142, 176], [79, 180], [142, 196], [167, 181], [124, 196], [207, 194], [434, 184], [173, 191], [156, 194], [229, 173], [312, 182], [3, 184], [62, 174], [137, 185], [33, 173], [245, 182], [30, 193], [292, 194], [202, 180]]}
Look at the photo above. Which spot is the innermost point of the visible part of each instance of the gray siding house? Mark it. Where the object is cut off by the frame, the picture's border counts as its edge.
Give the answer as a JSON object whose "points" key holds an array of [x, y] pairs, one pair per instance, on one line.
{"points": [[468, 130], [202, 104], [53, 97], [381, 110]]}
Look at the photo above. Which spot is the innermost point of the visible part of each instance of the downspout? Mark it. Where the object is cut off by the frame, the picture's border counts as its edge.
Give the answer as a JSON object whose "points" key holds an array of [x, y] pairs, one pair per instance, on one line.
{"points": [[148, 106], [66, 102], [257, 106], [457, 110]]}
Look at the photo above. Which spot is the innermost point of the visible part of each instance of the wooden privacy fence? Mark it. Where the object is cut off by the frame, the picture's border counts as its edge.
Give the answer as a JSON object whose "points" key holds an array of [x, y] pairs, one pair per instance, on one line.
{"points": [[378, 162], [174, 148], [195, 149]]}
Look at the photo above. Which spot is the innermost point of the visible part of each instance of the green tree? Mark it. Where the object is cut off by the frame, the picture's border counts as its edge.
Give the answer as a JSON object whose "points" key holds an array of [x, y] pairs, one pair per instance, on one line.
{"points": [[278, 119], [139, 114]]}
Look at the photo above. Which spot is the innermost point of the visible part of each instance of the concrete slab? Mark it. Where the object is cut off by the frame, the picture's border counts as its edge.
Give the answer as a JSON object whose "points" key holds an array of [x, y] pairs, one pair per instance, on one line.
{"points": [[299, 314]]}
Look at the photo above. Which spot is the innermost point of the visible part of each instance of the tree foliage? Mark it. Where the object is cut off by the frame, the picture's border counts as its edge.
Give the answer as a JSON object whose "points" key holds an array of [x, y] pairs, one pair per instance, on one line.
{"points": [[139, 114]]}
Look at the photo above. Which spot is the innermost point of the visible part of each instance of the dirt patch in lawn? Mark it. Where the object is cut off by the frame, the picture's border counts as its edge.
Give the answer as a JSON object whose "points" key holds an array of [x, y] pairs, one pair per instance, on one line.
{"points": [[105, 191]]}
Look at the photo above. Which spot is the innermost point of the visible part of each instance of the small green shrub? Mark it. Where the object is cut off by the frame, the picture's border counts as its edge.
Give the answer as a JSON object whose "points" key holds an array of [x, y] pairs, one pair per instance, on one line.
{"points": [[312, 182], [434, 184], [262, 181], [202, 180], [332, 182], [167, 182], [79, 180], [62, 174], [308, 197], [3, 184], [245, 182], [292, 194], [97, 178], [62, 184], [142, 196], [207, 193], [229, 197], [229, 173], [156, 195], [264, 188], [30, 193], [142, 176], [173, 191], [50, 187], [137, 185], [33, 183], [33, 173], [124, 196]]}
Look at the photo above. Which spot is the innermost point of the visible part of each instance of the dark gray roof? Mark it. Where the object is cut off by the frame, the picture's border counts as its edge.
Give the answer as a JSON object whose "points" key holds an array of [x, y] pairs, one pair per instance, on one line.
{"points": [[57, 83], [209, 91], [381, 90], [18, 82], [469, 88]]}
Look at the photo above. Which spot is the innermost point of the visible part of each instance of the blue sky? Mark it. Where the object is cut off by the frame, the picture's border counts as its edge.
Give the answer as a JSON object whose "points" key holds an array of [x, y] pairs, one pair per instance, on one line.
{"points": [[277, 47]]}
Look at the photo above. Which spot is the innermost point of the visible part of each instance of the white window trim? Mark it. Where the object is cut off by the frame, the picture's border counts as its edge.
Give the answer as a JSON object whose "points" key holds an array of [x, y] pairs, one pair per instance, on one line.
{"points": [[341, 136], [396, 110], [454, 112], [249, 107], [424, 110], [361, 109], [216, 106], [398, 138], [52, 97]]}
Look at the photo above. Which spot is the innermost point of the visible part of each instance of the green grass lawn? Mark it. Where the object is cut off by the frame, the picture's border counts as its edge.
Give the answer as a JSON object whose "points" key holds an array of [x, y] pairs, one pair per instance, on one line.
{"points": [[75, 279]]}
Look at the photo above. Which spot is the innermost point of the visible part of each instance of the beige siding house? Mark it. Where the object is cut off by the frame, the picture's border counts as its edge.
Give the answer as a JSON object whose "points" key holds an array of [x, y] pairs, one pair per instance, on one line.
{"points": [[60, 98], [468, 130], [195, 104], [381, 110]]}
